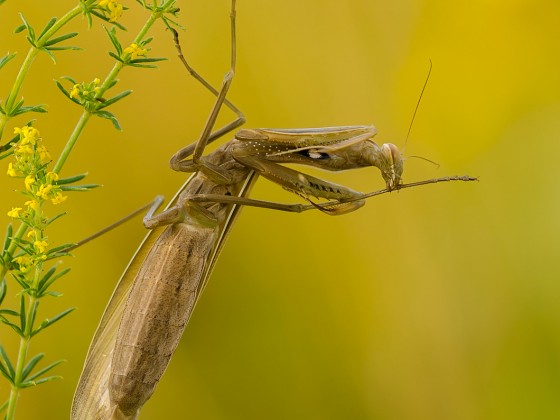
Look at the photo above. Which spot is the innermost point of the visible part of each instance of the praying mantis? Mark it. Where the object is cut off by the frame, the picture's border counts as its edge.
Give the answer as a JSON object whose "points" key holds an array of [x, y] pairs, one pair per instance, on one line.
{"points": [[156, 295]]}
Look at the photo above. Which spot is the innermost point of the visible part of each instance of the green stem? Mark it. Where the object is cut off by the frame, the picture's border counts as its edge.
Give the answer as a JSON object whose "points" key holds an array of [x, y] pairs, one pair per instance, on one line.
{"points": [[153, 17], [23, 70], [109, 81], [22, 357], [72, 141], [13, 245], [26, 65]]}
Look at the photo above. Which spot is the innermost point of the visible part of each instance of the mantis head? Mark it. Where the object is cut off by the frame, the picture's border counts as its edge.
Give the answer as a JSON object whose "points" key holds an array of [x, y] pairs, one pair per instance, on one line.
{"points": [[388, 159]]}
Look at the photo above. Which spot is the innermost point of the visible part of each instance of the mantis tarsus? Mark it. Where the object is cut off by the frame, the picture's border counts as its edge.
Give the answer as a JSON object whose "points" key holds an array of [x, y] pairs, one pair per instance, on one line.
{"points": [[154, 299]]}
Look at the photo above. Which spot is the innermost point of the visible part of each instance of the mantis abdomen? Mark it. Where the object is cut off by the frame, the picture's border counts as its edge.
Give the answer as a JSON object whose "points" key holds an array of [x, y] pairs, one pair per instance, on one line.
{"points": [[158, 308]]}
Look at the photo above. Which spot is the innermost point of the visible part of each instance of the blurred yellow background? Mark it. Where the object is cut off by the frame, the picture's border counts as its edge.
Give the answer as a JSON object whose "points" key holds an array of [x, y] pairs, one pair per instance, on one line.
{"points": [[439, 302]]}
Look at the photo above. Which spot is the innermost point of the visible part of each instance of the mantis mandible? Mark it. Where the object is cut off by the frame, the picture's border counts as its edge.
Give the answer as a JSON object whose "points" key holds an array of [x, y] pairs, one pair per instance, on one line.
{"points": [[156, 295]]}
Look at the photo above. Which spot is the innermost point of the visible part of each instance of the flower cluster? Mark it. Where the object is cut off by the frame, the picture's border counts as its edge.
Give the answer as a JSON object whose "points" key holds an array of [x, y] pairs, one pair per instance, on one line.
{"points": [[112, 8], [135, 51], [30, 161], [85, 92], [36, 247]]}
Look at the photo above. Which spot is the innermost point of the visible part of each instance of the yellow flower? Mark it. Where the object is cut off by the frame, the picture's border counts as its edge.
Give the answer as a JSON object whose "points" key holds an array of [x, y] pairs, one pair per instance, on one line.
{"points": [[44, 190], [11, 170], [25, 149], [135, 51], [40, 246], [14, 212], [52, 176], [43, 152], [24, 262], [27, 135], [59, 198], [31, 234], [115, 9], [75, 91], [29, 180], [34, 204]]}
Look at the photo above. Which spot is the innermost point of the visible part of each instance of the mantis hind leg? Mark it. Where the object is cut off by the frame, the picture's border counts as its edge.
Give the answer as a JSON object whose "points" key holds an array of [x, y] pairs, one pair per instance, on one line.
{"points": [[179, 161]]}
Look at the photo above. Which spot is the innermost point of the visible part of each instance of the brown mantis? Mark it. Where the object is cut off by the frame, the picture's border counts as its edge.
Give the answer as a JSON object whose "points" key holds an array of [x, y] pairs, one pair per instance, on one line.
{"points": [[155, 297]]}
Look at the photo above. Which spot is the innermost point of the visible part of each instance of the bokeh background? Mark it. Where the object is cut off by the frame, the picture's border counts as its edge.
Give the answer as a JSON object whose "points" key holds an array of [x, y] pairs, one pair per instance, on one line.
{"points": [[439, 302]]}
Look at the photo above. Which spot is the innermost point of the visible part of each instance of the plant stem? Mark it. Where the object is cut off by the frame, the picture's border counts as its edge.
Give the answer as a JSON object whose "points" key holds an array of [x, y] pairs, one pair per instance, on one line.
{"points": [[22, 356], [72, 140], [109, 81], [26, 65]]}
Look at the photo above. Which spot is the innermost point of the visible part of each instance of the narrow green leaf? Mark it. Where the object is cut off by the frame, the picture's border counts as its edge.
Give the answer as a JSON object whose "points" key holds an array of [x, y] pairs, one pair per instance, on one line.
{"points": [[48, 322], [8, 240], [21, 282], [61, 38], [142, 66], [50, 54], [148, 60], [59, 215], [33, 310], [53, 294], [29, 28], [5, 155], [28, 384], [71, 179], [7, 146], [31, 41], [58, 255], [170, 23], [113, 37], [45, 283], [32, 108], [22, 321], [12, 326], [46, 277], [48, 26], [115, 56], [64, 48], [5, 362], [114, 99], [6, 59], [58, 249], [5, 373], [70, 79], [17, 105], [45, 369], [83, 187], [9, 312], [3, 290], [5, 403], [62, 89], [66, 93], [107, 115], [31, 364], [23, 243], [19, 29]]}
